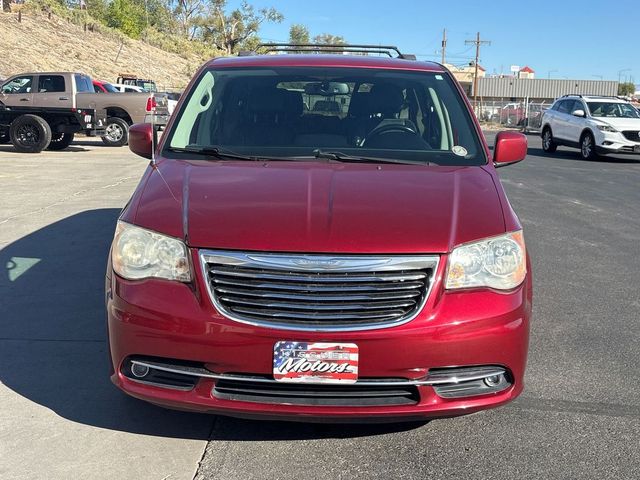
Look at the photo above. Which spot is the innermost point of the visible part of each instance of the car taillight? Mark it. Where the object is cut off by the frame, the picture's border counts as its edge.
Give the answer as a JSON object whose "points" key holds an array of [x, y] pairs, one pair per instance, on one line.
{"points": [[151, 104]]}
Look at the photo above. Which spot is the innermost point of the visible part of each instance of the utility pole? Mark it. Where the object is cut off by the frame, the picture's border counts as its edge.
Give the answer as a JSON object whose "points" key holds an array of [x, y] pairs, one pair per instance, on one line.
{"points": [[477, 42], [444, 45]]}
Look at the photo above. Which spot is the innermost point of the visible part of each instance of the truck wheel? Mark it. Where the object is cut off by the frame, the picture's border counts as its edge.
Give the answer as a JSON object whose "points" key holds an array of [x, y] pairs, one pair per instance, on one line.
{"points": [[30, 134], [60, 141], [4, 137], [116, 132]]}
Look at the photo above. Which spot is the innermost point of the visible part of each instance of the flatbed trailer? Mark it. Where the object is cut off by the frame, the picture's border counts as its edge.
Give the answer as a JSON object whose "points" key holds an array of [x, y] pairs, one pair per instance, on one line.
{"points": [[33, 129]]}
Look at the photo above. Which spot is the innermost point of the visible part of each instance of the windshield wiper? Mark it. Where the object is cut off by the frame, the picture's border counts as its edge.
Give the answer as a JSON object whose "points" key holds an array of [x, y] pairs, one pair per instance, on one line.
{"points": [[218, 153], [343, 157]]}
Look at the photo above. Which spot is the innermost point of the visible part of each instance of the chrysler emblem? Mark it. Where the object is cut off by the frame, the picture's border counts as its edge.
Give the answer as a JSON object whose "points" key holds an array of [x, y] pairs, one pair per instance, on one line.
{"points": [[318, 263]]}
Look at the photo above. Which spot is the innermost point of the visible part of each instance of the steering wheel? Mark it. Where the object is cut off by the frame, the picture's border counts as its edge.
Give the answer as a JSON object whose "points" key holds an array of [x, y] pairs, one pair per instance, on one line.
{"points": [[392, 127]]}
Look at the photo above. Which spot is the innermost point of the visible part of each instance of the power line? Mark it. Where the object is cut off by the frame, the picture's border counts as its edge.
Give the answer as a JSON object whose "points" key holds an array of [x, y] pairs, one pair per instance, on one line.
{"points": [[477, 42]]}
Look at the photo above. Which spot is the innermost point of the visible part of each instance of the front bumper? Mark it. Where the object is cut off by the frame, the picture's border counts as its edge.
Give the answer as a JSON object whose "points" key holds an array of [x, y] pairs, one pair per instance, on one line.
{"points": [[616, 143], [168, 320]]}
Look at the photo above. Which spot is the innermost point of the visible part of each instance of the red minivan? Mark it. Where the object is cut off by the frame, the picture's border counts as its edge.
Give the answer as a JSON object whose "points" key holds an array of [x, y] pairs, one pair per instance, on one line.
{"points": [[354, 262]]}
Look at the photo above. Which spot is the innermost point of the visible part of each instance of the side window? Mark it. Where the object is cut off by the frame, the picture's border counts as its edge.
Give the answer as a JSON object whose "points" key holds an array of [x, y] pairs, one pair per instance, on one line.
{"points": [[577, 105], [564, 106], [83, 84], [50, 83], [96, 89], [18, 85]]}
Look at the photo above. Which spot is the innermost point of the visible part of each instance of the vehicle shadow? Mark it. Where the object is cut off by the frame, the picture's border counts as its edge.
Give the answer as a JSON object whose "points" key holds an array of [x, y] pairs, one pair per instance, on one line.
{"points": [[72, 148], [53, 340], [574, 155]]}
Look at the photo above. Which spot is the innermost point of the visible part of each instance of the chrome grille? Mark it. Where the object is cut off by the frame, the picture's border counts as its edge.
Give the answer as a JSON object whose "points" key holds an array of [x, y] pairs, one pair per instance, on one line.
{"points": [[318, 292]]}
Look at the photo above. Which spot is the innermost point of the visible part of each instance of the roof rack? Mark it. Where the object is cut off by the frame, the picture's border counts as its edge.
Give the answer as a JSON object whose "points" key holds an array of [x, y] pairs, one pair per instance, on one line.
{"points": [[335, 48]]}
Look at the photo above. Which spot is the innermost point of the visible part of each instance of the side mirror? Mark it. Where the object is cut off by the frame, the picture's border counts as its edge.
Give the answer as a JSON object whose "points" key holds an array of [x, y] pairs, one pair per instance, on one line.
{"points": [[141, 139], [579, 113], [511, 147]]}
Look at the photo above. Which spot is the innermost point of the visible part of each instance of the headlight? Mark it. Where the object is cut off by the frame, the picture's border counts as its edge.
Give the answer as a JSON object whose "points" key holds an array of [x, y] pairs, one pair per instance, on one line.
{"points": [[496, 262], [606, 128], [139, 253]]}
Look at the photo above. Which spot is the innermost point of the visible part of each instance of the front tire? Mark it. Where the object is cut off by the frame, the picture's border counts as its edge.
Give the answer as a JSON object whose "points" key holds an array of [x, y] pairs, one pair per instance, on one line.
{"points": [[116, 132], [588, 147], [30, 134], [60, 141], [548, 145]]}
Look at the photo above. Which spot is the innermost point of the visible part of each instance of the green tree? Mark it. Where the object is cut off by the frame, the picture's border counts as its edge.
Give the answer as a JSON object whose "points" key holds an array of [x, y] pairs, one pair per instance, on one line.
{"points": [[189, 15], [328, 39], [298, 34], [127, 16], [626, 89], [231, 31]]}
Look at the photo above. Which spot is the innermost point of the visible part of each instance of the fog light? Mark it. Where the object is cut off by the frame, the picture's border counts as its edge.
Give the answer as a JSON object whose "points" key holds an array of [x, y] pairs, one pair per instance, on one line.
{"points": [[139, 371], [493, 380]]}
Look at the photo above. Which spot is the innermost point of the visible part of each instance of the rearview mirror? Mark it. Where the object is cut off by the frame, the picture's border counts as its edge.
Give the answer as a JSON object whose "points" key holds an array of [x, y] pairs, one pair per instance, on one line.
{"points": [[578, 113], [141, 139], [511, 147], [326, 88]]}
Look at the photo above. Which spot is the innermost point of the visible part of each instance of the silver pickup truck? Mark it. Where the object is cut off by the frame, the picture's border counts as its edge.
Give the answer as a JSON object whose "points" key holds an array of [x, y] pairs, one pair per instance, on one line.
{"points": [[40, 111]]}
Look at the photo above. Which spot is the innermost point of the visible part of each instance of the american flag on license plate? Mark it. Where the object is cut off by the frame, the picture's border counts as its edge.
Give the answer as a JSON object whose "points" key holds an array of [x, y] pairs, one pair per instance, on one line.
{"points": [[315, 362]]}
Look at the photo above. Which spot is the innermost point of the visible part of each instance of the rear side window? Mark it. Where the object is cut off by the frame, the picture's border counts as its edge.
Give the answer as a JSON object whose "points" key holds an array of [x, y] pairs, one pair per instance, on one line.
{"points": [[565, 106], [83, 83], [51, 83], [18, 85]]}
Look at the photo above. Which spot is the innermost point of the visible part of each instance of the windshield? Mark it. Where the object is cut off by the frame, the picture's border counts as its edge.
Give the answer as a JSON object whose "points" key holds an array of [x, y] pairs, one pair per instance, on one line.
{"points": [[612, 109], [418, 117], [110, 88]]}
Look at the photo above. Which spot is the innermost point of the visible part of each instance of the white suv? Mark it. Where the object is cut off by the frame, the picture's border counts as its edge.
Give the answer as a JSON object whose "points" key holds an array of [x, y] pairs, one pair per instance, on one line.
{"points": [[595, 125]]}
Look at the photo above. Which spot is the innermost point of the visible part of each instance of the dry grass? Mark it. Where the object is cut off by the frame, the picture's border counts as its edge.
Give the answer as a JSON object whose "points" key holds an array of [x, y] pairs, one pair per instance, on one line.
{"points": [[39, 44]]}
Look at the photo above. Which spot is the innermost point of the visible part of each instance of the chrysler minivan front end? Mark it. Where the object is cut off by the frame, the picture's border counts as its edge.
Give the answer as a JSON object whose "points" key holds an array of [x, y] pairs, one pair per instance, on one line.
{"points": [[321, 238]]}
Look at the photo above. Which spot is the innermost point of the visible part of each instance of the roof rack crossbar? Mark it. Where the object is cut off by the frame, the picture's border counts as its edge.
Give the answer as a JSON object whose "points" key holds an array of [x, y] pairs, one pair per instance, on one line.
{"points": [[334, 48]]}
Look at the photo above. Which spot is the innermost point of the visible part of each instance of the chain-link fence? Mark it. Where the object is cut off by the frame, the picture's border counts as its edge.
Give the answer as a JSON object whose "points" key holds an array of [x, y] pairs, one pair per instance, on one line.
{"points": [[525, 114]]}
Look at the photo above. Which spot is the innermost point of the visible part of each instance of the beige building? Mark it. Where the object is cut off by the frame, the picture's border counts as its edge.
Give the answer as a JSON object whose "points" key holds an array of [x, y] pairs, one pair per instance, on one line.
{"points": [[465, 74]]}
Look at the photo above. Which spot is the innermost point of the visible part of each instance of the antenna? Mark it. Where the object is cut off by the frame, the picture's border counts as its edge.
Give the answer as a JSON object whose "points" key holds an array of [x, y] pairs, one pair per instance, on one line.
{"points": [[154, 133]]}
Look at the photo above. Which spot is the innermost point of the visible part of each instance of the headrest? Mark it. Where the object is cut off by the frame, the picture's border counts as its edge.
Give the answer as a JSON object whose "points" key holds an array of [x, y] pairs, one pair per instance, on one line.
{"points": [[385, 98], [294, 104], [267, 100]]}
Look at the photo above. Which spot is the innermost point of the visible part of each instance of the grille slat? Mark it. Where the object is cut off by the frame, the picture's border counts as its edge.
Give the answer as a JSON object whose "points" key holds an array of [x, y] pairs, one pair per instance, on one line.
{"points": [[282, 314], [320, 278], [311, 287], [318, 292]]}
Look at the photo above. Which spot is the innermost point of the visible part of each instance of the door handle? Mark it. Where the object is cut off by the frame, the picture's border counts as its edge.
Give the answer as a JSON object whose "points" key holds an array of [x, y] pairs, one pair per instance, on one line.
{"points": [[63, 98], [24, 99]]}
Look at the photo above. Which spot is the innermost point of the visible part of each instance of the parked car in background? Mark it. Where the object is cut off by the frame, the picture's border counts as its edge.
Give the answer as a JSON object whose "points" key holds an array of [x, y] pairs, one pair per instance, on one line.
{"points": [[281, 262], [104, 87], [593, 124], [41, 111], [127, 88]]}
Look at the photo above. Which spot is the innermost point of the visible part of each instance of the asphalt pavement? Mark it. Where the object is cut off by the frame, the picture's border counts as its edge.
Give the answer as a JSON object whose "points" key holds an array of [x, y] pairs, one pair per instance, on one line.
{"points": [[579, 416]]}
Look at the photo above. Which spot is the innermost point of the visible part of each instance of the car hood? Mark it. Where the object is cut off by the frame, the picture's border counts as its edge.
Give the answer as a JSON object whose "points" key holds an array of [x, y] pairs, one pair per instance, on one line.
{"points": [[320, 207], [621, 124]]}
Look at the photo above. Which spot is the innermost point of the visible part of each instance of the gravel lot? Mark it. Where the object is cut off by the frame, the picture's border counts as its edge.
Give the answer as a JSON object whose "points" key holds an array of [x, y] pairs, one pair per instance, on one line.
{"points": [[61, 418]]}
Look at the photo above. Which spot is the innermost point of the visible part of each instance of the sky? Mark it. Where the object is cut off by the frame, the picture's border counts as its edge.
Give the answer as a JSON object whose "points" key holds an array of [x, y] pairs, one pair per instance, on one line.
{"points": [[559, 39]]}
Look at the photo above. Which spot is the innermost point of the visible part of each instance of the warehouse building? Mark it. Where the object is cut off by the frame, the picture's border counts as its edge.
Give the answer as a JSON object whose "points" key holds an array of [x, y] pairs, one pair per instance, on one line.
{"points": [[540, 90]]}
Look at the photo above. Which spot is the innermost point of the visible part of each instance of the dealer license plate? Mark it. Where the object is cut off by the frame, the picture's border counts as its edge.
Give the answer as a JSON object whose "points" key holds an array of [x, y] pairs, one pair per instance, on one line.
{"points": [[302, 362]]}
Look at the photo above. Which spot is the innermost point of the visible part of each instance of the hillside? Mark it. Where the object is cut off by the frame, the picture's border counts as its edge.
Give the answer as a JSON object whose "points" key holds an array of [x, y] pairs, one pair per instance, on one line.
{"points": [[40, 44]]}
